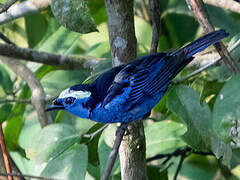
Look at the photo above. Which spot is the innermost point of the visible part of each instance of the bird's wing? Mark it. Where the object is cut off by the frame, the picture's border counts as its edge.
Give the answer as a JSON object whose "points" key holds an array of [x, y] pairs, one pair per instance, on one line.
{"points": [[145, 77], [99, 87]]}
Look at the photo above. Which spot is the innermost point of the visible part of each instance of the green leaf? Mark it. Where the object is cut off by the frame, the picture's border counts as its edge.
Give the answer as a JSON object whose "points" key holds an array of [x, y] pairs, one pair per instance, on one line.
{"points": [[71, 164], [104, 148], [15, 121], [5, 80], [4, 111], [186, 104], [154, 172], [74, 15], [235, 161], [163, 137], [60, 41], [198, 166], [67, 78], [222, 19], [35, 31], [143, 34], [200, 135], [92, 171], [161, 105], [98, 10], [51, 141], [226, 109], [235, 54], [93, 145], [210, 92]]}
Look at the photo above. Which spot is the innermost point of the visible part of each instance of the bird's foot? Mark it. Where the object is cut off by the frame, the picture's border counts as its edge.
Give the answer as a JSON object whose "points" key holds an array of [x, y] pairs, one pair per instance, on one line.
{"points": [[122, 129]]}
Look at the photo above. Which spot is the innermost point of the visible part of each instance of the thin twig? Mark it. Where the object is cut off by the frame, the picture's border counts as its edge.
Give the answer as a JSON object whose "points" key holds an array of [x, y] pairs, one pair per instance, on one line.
{"points": [[156, 24], [187, 150], [26, 176], [200, 13], [92, 135], [22, 9], [113, 154], [4, 152], [203, 68], [4, 101], [5, 39], [4, 7], [183, 156], [145, 12], [66, 62], [183, 153]]}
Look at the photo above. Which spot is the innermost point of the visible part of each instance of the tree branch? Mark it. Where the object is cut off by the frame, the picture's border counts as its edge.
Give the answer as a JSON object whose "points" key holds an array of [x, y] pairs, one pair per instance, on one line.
{"points": [[156, 24], [113, 155], [92, 135], [182, 152], [132, 151], [66, 62], [206, 66], [38, 94], [4, 101], [4, 7], [26, 176], [5, 39], [178, 152], [226, 4], [200, 13], [4, 153], [183, 156], [22, 9]]}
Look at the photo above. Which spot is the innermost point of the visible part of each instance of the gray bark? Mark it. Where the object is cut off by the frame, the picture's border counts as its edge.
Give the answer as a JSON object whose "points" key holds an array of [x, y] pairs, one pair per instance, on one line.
{"points": [[123, 46]]}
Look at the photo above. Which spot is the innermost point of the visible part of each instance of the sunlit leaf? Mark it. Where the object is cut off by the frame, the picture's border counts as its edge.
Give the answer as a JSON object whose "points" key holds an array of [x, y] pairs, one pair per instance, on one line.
{"points": [[5, 80], [104, 148], [51, 141], [74, 15], [226, 109], [72, 164], [163, 137]]}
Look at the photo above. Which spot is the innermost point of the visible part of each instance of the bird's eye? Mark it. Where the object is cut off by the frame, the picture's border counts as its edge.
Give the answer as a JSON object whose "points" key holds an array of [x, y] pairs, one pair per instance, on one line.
{"points": [[69, 100], [56, 102]]}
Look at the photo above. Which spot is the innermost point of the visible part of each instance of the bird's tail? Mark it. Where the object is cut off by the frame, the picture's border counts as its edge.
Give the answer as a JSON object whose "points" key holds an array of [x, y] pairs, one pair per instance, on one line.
{"points": [[203, 42]]}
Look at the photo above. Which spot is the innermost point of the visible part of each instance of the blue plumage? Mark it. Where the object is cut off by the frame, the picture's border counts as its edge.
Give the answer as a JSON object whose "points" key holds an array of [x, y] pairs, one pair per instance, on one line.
{"points": [[129, 92]]}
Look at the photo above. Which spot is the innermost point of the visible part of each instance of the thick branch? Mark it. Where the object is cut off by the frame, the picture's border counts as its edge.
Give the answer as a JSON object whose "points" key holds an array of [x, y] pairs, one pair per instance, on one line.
{"points": [[123, 47], [226, 4], [155, 9], [200, 13], [121, 30], [23, 9], [66, 62], [38, 94]]}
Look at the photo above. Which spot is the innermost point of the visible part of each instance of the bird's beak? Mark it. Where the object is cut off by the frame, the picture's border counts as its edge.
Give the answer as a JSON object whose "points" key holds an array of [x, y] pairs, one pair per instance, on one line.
{"points": [[54, 107]]}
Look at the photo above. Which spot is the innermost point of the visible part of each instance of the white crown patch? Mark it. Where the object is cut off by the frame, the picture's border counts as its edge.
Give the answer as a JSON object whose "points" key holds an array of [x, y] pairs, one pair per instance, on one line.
{"points": [[75, 94]]}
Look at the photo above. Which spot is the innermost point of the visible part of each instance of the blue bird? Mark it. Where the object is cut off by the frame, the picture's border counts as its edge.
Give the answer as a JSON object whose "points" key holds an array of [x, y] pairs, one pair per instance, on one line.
{"points": [[128, 92]]}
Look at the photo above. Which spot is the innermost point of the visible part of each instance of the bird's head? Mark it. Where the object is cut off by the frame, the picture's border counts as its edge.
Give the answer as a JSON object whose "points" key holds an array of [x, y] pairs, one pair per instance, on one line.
{"points": [[71, 101]]}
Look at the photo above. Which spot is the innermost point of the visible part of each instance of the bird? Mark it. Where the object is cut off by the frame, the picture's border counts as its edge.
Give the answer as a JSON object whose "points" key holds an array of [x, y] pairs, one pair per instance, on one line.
{"points": [[128, 92]]}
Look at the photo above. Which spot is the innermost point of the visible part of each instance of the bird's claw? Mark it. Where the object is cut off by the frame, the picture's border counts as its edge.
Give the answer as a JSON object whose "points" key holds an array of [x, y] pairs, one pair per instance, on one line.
{"points": [[122, 129]]}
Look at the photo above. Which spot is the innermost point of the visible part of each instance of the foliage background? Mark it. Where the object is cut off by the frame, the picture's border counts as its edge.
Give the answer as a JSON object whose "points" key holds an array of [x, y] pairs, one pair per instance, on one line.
{"points": [[202, 112]]}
